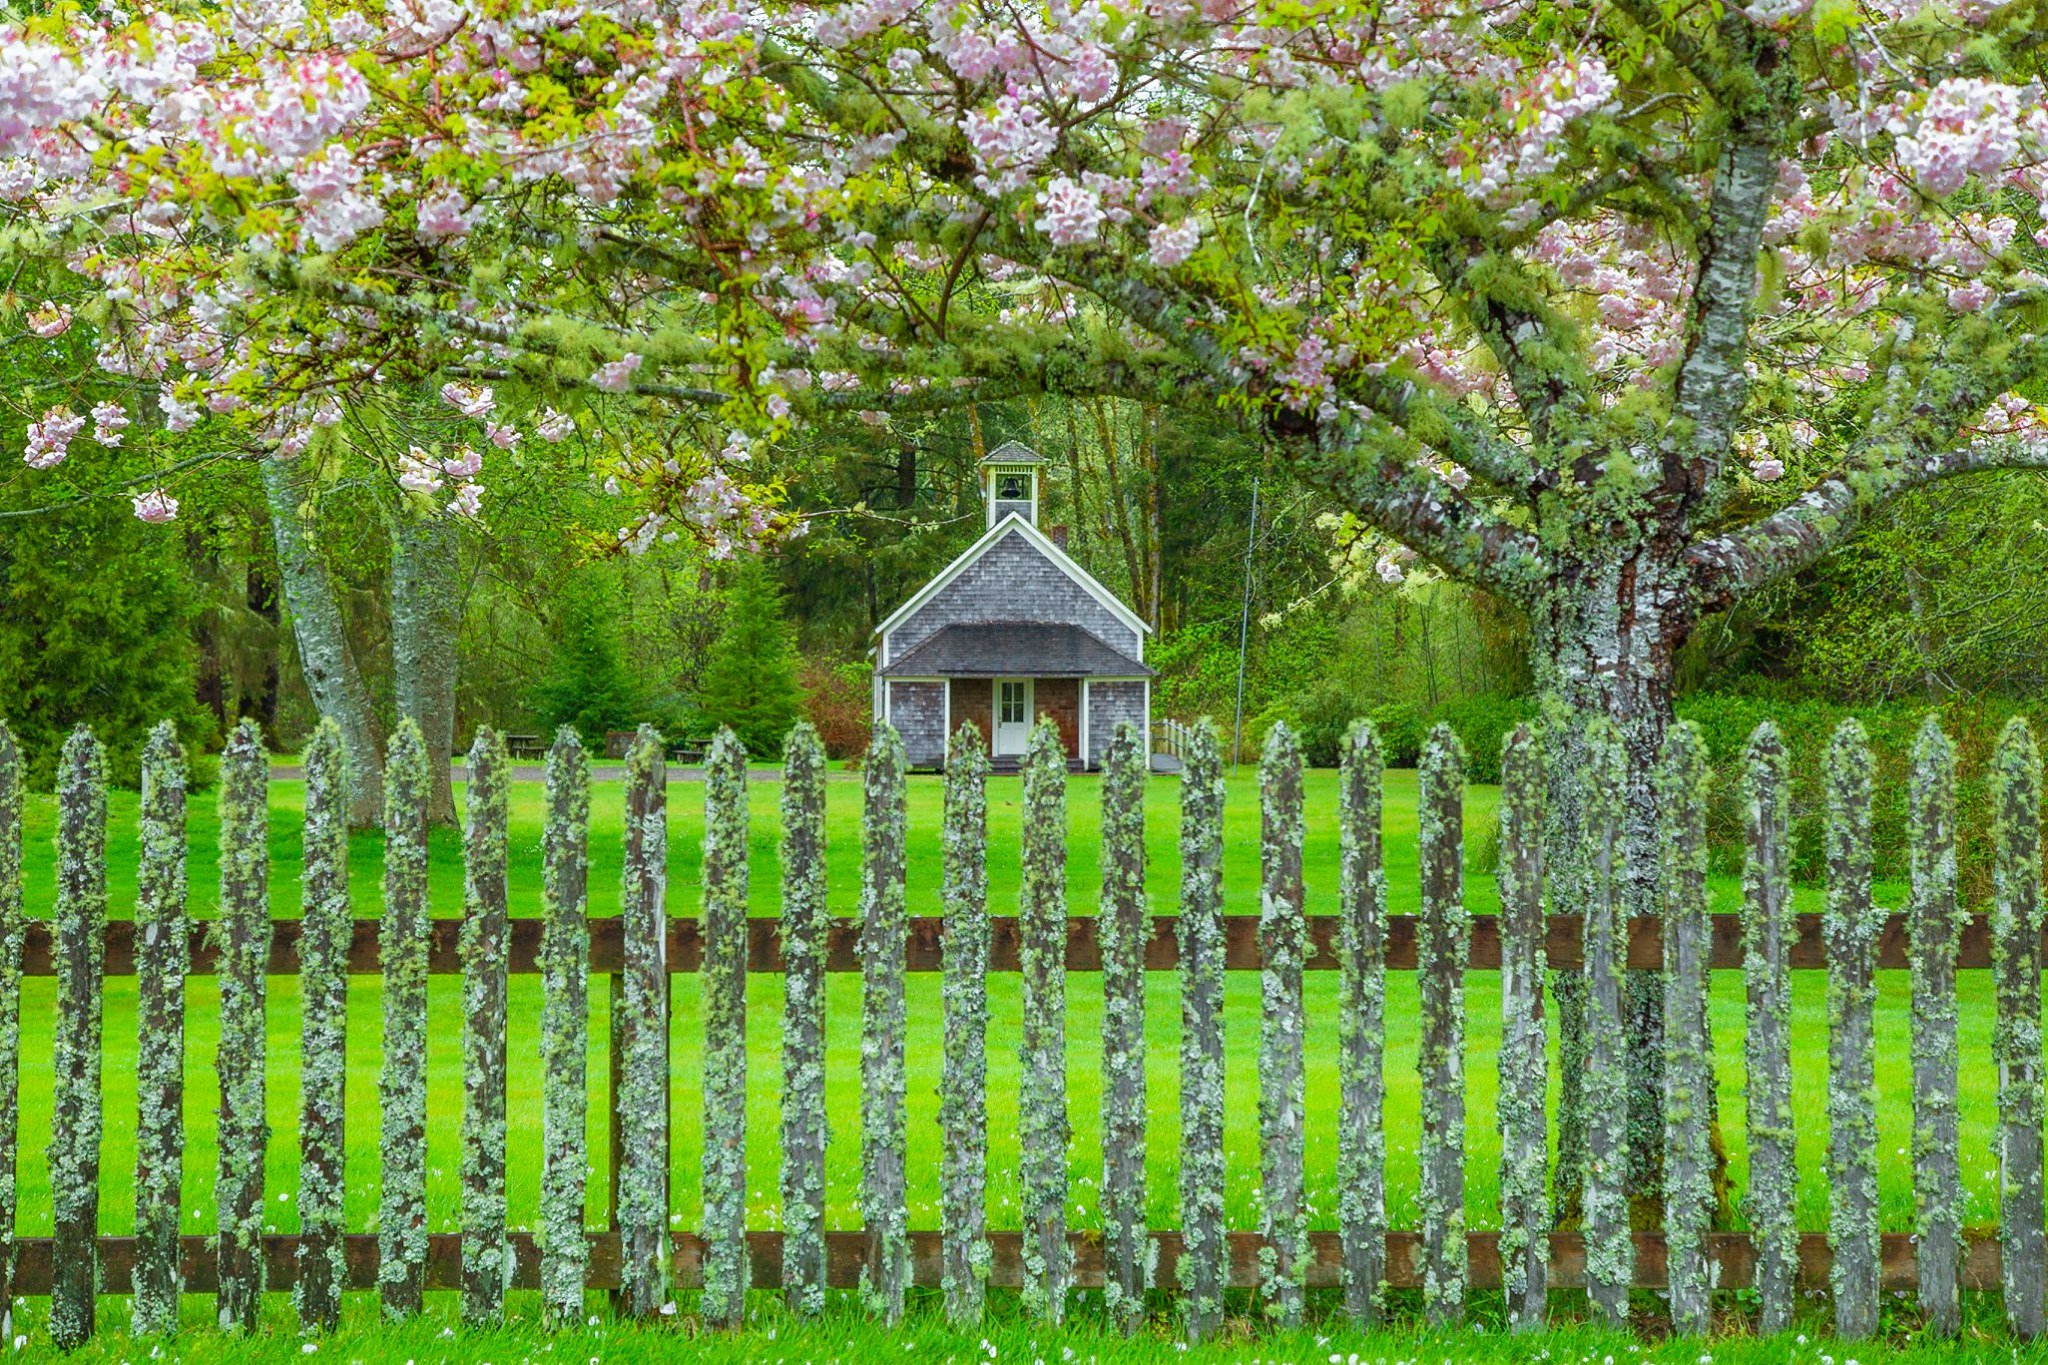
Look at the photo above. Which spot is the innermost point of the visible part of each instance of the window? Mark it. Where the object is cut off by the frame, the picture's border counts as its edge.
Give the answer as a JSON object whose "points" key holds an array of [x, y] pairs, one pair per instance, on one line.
{"points": [[1013, 488], [1010, 703]]}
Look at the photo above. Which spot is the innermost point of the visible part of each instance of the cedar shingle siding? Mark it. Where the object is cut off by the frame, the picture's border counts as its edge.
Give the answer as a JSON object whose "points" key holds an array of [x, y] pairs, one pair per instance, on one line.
{"points": [[918, 711], [1012, 581], [974, 699], [1109, 705]]}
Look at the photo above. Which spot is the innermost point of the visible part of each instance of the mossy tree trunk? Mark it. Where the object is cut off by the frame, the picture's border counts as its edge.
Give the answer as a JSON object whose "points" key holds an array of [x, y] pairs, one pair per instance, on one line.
{"points": [[2016, 1041], [1042, 1132], [402, 1079], [725, 1032], [884, 934], [1772, 1202], [1442, 949], [1689, 1046], [162, 955], [76, 1118], [1935, 920], [1524, 1061], [1205, 1255], [1610, 1254], [565, 1032], [1851, 926], [1283, 944], [486, 1252], [641, 1019], [322, 1271], [426, 622], [1127, 1245], [243, 935], [806, 925], [963, 1085]]}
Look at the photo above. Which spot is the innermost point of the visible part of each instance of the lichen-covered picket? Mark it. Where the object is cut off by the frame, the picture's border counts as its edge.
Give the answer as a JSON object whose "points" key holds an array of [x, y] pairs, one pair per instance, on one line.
{"points": [[1851, 924], [640, 1021], [243, 934], [12, 932], [565, 1029], [485, 1252], [402, 1079], [1283, 942], [1773, 1198], [1610, 1255], [806, 920], [884, 1192], [1442, 948], [1934, 920], [321, 1267], [1042, 1047], [963, 997], [1564, 872], [1127, 1250], [1361, 1025], [162, 950], [1681, 786], [2016, 1038], [1205, 1254], [1524, 1062], [725, 1031], [76, 1117]]}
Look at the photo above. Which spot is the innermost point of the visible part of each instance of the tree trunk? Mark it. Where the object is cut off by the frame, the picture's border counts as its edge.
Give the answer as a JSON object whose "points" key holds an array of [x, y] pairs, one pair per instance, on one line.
{"points": [[426, 612], [324, 656], [1604, 641]]}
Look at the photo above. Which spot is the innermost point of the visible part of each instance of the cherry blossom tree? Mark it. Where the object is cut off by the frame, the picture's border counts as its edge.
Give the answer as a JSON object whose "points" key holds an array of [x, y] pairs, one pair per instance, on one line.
{"points": [[1623, 312]]}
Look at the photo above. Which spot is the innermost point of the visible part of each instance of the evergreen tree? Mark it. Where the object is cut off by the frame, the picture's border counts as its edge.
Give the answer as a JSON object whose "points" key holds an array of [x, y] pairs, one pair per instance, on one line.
{"points": [[588, 685], [750, 678]]}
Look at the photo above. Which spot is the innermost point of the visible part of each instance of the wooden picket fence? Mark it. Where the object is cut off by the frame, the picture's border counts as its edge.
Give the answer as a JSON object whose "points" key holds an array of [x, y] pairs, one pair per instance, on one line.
{"points": [[645, 1263]]}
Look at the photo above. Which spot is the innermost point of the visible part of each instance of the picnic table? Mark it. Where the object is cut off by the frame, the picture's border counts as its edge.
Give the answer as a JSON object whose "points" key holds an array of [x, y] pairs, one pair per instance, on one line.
{"points": [[525, 746]]}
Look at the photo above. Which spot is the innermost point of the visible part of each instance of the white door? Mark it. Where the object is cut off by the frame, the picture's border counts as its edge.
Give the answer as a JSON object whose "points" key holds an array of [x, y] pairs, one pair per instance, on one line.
{"points": [[1013, 715]]}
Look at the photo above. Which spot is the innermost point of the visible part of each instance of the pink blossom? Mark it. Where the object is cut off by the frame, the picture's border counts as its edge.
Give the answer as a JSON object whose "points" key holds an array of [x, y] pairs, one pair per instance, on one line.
{"points": [[418, 472], [1070, 212], [617, 376], [50, 320], [471, 400], [155, 507], [50, 437], [1767, 469], [334, 210], [109, 422], [554, 427], [178, 414], [1172, 243], [502, 435], [1969, 297], [444, 215], [1009, 143], [1964, 128], [468, 500]]}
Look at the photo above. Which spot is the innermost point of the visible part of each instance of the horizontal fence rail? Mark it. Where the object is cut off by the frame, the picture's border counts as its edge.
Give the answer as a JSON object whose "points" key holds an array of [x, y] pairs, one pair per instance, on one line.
{"points": [[1806, 949]]}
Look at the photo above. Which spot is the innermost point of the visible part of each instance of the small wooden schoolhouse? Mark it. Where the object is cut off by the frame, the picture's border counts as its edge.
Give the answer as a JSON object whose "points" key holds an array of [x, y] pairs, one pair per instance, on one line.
{"points": [[1010, 631]]}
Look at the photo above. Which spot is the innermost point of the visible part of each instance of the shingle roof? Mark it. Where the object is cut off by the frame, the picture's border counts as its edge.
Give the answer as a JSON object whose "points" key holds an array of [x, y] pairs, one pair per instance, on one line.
{"points": [[1014, 649], [1013, 452]]}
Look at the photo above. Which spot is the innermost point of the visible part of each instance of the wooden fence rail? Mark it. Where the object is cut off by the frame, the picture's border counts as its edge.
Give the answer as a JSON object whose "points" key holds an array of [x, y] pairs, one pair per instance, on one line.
{"points": [[644, 1260]]}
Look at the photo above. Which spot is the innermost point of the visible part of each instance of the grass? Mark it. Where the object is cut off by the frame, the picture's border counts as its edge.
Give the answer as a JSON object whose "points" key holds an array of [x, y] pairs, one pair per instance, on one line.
{"points": [[1402, 1120]]}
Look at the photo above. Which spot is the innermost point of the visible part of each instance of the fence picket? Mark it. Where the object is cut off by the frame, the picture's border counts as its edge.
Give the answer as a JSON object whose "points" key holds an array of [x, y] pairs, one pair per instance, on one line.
{"points": [[243, 932], [1127, 1250], [1361, 1025], [12, 932], [1610, 1256], [1283, 942], [1565, 874], [76, 1119], [640, 1027], [1042, 1132], [884, 1194], [484, 1249], [725, 1031], [565, 1031], [963, 1084], [1205, 1253], [1852, 924], [1934, 919], [322, 1269], [806, 920], [162, 950], [1682, 780], [1442, 948], [1773, 1197], [2016, 1040], [402, 1080], [1524, 1060]]}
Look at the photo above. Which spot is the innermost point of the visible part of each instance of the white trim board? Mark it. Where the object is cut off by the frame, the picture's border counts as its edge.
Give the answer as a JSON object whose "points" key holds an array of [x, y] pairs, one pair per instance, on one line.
{"points": [[1039, 541]]}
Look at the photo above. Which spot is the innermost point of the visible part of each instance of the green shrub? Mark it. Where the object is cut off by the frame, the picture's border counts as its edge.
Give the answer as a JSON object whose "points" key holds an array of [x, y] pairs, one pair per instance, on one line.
{"points": [[1402, 731], [1484, 722]]}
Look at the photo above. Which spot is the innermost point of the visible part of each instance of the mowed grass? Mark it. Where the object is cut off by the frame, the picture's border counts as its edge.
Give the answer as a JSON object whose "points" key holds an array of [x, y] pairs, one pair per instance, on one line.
{"points": [[765, 1004]]}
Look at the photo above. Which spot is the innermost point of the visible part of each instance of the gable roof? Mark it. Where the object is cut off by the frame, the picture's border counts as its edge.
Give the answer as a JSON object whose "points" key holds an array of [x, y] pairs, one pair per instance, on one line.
{"points": [[1013, 452], [1004, 649], [1038, 540]]}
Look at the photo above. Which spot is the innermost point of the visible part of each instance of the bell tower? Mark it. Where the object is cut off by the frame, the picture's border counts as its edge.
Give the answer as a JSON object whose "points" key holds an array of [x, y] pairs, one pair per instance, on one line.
{"points": [[1009, 482]]}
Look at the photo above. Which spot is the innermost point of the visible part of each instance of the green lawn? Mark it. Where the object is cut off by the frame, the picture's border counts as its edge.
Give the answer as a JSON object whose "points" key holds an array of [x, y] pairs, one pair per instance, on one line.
{"points": [[766, 996]]}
